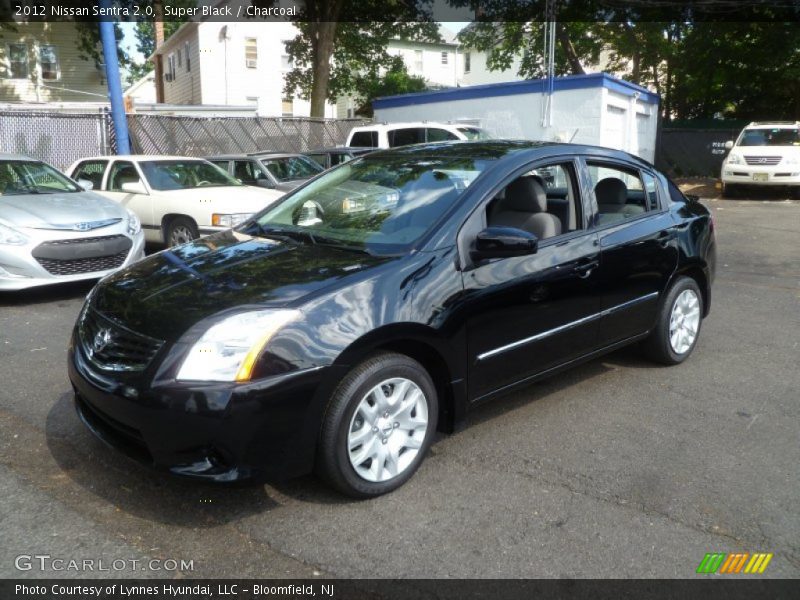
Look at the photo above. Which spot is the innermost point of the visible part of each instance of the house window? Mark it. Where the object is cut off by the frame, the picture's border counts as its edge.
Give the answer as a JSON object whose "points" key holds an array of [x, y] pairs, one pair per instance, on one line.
{"points": [[287, 107], [418, 61], [180, 57], [467, 60], [48, 59], [170, 74], [188, 57], [444, 58], [17, 61], [251, 53]]}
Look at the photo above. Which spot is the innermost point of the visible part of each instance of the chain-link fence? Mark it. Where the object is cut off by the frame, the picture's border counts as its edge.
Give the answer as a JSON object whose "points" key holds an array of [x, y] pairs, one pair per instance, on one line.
{"points": [[193, 136], [60, 139], [56, 138]]}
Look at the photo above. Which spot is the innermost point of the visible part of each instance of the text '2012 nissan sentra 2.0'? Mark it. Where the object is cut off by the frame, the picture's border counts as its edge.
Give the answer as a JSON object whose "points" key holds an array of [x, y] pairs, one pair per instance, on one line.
{"points": [[339, 328]]}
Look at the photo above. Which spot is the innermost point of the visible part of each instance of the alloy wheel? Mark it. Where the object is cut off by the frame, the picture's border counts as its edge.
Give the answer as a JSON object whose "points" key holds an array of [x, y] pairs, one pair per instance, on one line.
{"points": [[684, 321], [387, 429]]}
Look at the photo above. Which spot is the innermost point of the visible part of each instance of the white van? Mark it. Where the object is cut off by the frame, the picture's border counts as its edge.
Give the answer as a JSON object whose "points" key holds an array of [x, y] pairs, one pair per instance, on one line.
{"points": [[391, 135], [763, 154]]}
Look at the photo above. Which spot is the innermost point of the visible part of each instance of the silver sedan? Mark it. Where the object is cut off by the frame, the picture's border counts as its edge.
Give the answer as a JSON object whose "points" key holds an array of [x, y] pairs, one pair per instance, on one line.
{"points": [[54, 230]]}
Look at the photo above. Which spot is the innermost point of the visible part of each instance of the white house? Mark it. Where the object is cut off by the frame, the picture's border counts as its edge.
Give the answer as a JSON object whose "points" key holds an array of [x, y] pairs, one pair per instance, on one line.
{"points": [[239, 63], [40, 62]]}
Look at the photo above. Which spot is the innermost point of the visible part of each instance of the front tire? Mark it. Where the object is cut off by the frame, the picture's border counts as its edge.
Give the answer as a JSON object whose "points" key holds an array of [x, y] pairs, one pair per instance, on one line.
{"points": [[678, 326], [729, 190], [378, 427], [180, 230]]}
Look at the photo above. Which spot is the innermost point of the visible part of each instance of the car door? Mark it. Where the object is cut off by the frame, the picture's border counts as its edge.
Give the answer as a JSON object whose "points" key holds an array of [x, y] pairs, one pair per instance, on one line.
{"points": [[528, 315], [122, 172], [638, 246]]}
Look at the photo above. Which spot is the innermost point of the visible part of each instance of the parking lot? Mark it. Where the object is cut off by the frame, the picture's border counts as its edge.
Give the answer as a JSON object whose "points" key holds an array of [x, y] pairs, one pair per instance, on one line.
{"points": [[618, 468]]}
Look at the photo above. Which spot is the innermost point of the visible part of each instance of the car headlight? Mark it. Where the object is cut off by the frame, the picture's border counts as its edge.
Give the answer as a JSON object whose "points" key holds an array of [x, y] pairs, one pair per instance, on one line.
{"points": [[134, 224], [229, 350], [12, 237], [735, 159], [219, 220]]}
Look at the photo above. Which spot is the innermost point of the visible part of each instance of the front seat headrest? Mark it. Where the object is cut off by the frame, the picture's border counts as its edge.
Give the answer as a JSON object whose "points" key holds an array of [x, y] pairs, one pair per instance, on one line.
{"points": [[525, 194], [611, 191]]}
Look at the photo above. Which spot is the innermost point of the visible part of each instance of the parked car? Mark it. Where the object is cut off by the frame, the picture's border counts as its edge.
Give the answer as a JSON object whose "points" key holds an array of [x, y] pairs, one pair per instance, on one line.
{"points": [[331, 157], [344, 344], [54, 230], [272, 170], [178, 199], [391, 135], [764, 154]]}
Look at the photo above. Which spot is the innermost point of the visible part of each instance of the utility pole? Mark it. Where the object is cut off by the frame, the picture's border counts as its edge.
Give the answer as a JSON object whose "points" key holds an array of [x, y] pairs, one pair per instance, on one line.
{"points": [[113, 79], [549, 58]]}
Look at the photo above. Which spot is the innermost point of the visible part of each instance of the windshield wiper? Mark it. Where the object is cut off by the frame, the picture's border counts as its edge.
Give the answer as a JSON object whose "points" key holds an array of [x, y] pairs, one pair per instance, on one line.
{"points": [[285, 234]]}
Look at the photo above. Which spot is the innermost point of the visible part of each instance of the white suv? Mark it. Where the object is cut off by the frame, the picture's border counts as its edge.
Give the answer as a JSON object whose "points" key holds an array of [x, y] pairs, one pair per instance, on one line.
{"points": [[391, 135], [764, 154]]}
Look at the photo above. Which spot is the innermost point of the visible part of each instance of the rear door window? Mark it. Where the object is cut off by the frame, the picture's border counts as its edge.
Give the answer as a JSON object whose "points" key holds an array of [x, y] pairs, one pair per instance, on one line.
{"points": [[619, 191], [368, 139]]}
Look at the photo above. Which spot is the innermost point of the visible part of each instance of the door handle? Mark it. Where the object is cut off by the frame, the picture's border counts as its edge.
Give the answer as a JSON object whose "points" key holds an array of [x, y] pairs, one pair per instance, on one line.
{"points": [[583, 270]]}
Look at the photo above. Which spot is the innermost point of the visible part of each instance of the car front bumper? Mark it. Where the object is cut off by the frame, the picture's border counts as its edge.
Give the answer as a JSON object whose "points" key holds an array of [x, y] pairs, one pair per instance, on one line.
{"points": [[220, 432], [19, 269], [780, 175]]}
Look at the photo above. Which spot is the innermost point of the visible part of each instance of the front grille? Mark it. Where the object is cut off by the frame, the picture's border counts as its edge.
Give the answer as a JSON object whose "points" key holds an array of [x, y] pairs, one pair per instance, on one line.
{"points": [[74, 256], [762, 160], [112, 347], [76, 266]]}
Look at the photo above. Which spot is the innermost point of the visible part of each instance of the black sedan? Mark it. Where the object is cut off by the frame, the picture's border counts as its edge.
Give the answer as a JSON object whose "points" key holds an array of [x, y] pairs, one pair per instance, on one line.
{"points": [[341, 327]]}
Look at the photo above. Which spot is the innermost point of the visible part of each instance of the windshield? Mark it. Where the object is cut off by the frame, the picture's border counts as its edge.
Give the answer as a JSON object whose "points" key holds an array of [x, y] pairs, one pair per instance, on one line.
{"points": [[474, 133], [32, 177], [780, 136], [289, 168], [165, 175], [379, 205]]}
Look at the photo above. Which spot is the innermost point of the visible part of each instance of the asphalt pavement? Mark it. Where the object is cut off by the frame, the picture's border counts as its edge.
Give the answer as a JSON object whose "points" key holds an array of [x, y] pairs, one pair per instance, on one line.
{"points": [[619, 468]]}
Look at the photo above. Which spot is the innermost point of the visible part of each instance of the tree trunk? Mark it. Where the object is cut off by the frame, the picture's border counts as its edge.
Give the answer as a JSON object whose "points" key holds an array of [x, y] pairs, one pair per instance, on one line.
{"points": [[569, 50], [322, 50]]}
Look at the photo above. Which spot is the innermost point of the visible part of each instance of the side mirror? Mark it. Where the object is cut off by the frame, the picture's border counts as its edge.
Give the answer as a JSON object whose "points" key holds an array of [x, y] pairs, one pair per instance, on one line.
{"points": [[86, 184], [265, 183], [728, 145], [503, 242], [133, 187]]}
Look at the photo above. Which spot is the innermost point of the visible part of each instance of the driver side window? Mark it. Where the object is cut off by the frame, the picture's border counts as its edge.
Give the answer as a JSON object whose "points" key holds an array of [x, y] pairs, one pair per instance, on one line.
{"points": [[543, 201]]}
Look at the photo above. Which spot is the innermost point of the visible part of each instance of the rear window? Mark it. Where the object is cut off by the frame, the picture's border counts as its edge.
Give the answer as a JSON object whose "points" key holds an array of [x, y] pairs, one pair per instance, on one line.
{"points": [[365, 138], [406, 136]]}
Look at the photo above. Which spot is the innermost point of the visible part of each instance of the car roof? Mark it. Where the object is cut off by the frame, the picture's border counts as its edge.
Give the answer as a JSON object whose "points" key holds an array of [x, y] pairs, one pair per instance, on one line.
{"points": [[9, 156], [498, 149], [140, 157], [376, 126], [772, 124], [340, 149]]}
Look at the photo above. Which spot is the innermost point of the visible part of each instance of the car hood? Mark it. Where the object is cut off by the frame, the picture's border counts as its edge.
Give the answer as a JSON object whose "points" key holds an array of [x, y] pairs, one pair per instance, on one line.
{"points": [[57, 211], [167, 293]]}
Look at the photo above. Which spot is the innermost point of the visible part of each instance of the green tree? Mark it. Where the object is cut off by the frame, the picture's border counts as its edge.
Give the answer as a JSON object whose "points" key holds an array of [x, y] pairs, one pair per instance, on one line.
{"points": [[396, 80], [340, 40]]}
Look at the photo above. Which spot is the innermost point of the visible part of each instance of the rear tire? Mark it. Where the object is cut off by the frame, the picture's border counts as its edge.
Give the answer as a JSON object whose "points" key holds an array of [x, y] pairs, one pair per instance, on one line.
{"points": [[378, 426], [180, 230], [678, 326]]}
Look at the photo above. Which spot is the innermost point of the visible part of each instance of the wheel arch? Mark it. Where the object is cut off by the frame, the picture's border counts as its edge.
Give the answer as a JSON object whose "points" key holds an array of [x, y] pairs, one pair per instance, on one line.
{"points": [[169, 217], [422, 344]]}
